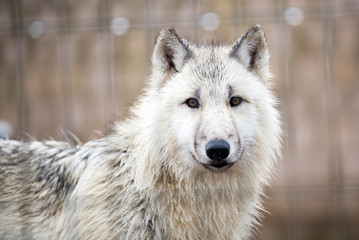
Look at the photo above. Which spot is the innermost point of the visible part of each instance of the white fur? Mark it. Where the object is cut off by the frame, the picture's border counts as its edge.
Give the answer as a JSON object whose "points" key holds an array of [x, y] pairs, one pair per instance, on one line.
{"points": [[147, 179]]}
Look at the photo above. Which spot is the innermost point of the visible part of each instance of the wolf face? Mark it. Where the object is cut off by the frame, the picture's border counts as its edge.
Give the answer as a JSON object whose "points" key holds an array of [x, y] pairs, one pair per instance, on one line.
{"points": [[214, 96]]}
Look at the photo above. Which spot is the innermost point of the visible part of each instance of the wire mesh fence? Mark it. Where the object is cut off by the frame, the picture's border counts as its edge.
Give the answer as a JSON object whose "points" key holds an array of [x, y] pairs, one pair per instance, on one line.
{"points": [[78, 65]]}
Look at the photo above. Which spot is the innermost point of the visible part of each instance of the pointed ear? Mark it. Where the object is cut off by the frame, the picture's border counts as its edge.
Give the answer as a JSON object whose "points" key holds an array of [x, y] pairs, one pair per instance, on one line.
{"points": [[252, 52], [170, 53]]}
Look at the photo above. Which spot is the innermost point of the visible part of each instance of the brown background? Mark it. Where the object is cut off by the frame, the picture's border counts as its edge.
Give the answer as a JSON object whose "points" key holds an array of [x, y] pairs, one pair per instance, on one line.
{"points": [[79, 76]]}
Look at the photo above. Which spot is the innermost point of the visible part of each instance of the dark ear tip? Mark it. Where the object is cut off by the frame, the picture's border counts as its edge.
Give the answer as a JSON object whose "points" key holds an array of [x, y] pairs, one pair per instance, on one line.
{"points": [[165, 32], [255, 28], [168, 30], [255, 31]]}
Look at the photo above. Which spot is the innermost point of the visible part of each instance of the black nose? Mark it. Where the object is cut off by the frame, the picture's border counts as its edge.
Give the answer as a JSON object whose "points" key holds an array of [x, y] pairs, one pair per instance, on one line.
{"points": [[217, 149]]}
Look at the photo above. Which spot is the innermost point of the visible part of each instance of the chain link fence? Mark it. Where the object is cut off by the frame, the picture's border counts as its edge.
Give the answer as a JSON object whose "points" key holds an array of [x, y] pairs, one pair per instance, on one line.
{"points": [[78, 65]]}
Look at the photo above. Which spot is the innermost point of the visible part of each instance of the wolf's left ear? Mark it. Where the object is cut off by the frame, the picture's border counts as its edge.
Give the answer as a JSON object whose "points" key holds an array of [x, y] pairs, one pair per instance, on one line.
{"points": [[252, 52], [170, 52]]}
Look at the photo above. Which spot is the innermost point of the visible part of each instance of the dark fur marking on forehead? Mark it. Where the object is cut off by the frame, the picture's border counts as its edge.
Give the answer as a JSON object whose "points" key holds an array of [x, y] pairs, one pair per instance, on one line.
{"points": [[230, 90], [197, 93], [211, 69]]}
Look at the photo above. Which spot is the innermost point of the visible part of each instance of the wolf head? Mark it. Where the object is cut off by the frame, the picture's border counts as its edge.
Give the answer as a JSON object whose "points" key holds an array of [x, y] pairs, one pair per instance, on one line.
{"points": [[212, 105]]}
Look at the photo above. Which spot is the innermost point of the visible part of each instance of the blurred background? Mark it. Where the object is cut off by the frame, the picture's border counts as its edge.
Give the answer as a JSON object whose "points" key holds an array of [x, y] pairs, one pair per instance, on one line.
{"points": [[79, 65]]}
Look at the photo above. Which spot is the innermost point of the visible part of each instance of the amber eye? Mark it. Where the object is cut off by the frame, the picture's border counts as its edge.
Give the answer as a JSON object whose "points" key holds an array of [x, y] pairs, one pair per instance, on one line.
{"points": [[235, 101], [192, 103]]}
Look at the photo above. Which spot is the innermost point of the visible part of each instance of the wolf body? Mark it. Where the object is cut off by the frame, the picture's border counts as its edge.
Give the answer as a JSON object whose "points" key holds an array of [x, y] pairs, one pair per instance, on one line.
{"points": [[191, 161]]}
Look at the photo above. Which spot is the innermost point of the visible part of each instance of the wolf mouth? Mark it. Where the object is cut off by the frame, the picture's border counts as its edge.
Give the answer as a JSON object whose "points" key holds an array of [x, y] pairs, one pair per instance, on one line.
{"points": [[218, 167]]}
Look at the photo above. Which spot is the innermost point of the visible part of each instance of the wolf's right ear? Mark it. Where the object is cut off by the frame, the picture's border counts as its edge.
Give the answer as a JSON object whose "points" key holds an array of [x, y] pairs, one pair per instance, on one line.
{"points": [[170, 52]]}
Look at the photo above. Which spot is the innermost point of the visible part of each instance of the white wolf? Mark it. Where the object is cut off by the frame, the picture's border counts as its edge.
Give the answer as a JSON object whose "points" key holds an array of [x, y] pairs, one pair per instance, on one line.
{"points": [[190, 162]]}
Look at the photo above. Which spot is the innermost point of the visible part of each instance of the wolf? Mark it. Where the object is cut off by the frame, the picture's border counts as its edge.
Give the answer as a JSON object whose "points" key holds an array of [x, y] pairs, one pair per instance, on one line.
{"points": [[190, 162]]}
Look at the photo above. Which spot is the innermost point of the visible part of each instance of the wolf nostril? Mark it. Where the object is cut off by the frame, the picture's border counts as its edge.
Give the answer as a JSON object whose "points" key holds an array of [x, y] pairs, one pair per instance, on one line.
{"points": [[217, 149]]}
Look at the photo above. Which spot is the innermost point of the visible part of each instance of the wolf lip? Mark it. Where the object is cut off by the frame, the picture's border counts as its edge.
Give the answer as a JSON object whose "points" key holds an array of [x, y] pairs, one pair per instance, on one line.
{"points": [[218, 167]]}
